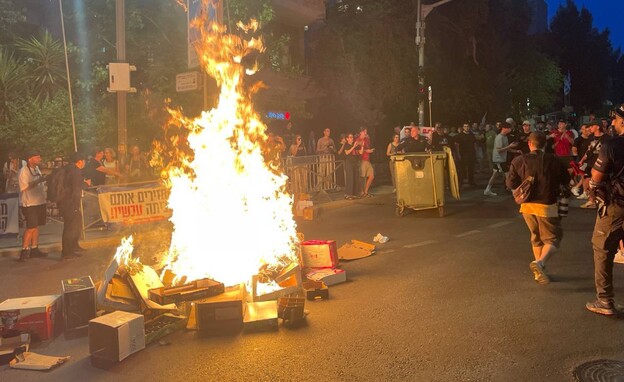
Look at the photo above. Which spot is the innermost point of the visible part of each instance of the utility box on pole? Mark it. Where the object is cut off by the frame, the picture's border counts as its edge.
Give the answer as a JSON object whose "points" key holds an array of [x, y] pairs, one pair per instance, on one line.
{"points": [[119, 77]]}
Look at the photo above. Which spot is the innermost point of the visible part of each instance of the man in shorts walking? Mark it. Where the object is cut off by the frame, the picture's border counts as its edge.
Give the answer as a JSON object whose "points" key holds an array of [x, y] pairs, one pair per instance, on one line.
{"points": [[499, 156], [33, 196]]}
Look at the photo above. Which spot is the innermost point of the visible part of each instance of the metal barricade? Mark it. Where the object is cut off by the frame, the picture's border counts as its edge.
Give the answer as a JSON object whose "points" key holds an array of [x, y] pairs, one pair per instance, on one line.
{"points": [[313, 173]]}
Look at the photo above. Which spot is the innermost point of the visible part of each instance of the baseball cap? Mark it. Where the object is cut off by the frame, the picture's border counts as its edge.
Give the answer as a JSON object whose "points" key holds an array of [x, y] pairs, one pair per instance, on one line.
{"points": [[509, 120], [526, 122]]}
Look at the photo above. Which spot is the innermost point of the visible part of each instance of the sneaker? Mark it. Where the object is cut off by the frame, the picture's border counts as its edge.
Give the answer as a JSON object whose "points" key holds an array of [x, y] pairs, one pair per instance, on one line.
{"points": [[575, 191], [489, 193], [538, 271], [588, 204], [35, 252], [583, 196], [601, 307]]}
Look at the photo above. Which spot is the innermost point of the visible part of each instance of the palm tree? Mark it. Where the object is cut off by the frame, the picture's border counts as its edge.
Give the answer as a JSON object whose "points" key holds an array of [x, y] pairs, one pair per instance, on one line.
{"points": [[45, 64], [12, 81]]}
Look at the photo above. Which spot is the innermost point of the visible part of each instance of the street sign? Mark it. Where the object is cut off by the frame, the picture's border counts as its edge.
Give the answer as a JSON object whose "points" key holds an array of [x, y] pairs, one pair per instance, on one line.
{"points": [[187, 81]]}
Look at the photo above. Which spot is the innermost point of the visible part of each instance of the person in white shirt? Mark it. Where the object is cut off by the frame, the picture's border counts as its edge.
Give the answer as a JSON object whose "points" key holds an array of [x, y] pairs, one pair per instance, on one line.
{"points": [[33, 197], [499, 156]]}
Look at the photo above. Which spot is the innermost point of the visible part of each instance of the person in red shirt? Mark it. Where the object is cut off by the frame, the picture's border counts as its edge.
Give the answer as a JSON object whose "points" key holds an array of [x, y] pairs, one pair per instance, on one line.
{"points": [[366, 169], [563, 141]]}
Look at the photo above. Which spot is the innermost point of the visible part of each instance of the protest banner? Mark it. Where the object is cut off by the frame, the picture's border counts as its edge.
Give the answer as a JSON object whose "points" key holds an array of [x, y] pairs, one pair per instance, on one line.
{"points": [[9, 215], [133, 204]]}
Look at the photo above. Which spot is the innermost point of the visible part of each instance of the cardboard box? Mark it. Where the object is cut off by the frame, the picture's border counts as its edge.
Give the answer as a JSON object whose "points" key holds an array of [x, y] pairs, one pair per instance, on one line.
{"points": [[309, 213], [115, 336], [319, 254], [328, 276], [222, 314], [315, 290], [40, 316], [355, 250], [162, 326], [8, 346], [260, 316], [195, 290], [78, 302]]}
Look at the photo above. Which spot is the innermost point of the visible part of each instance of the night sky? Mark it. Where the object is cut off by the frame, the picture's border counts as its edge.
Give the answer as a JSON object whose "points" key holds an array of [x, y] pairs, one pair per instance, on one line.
{"points": [[607, 14]]}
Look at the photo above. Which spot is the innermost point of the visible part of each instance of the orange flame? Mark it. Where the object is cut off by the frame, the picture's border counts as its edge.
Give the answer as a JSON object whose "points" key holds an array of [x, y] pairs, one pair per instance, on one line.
{"points": [[231, 212]]}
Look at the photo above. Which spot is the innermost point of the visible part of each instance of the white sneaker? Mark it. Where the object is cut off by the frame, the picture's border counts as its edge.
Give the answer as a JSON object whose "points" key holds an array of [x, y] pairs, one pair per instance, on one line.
{"points": [[489, 193], [583, 196], [575, 191]]}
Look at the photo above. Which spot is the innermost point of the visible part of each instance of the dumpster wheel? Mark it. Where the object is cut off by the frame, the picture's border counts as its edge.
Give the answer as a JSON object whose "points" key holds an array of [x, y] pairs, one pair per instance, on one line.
{"points": [[441, 211], [400, 209]]}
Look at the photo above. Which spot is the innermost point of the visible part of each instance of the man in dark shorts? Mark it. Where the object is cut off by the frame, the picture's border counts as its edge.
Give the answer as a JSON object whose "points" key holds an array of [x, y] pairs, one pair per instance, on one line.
{"points": [[33, 198], [499, 156]]}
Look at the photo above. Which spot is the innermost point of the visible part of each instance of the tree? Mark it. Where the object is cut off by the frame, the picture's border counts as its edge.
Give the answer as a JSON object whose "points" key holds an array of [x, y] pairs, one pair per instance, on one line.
{"points": [[585, 52], [45, 67], [12, 84]]}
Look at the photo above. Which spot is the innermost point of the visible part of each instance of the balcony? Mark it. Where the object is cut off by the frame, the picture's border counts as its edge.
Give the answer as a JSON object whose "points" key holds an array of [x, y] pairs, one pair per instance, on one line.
{"points": [[299, 13]]}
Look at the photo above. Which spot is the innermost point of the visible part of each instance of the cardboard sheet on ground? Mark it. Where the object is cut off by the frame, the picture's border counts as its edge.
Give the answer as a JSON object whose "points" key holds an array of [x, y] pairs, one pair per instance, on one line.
{"points": [[454, 186], [355, 250], [34, 361]]}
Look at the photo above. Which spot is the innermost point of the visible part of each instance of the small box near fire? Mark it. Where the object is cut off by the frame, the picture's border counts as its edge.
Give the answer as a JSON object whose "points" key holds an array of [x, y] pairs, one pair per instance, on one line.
{"points": [[319, 254], [315, 290], [261, 316], [328, 276], [40, 316], [78, 302], [115, 336], [222, 314]]}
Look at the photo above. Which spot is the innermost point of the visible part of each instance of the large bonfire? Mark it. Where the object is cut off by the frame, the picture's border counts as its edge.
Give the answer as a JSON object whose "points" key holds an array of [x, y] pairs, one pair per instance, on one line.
{"points": [[231, 213]]}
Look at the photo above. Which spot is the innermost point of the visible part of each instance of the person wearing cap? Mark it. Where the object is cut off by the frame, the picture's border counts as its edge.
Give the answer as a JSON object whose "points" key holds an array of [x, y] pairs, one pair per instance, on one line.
{"points": [[563, 140], [522, 137], [540, 211], [596, 139], [499, 156], [607, 186], [69, 206], [33, 199]]}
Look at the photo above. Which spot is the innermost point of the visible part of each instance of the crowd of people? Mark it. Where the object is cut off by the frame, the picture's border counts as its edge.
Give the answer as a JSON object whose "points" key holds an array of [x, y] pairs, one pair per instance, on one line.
{"points": [[31, 179]]}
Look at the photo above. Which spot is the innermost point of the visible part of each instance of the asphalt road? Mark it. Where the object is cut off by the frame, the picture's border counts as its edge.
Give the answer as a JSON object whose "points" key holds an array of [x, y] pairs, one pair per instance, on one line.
{"points": [[446, 299]]}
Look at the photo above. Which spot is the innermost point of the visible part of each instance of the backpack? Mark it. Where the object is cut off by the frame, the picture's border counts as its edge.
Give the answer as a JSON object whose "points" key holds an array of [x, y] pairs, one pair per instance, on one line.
{"points": [[522, 193], [57, 189]]}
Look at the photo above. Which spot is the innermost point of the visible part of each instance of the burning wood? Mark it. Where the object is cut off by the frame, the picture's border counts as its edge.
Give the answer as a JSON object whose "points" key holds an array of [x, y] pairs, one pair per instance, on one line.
{"points": [[195, 290], [287, 282]]}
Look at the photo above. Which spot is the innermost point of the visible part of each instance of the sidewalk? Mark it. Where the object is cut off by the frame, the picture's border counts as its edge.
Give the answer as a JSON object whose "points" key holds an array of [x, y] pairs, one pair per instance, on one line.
{"points": [[50, 234]]}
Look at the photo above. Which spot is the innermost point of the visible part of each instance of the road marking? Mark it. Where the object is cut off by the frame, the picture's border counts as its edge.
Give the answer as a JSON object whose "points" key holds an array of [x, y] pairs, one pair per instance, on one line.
{"points": [[501, 224], [422, 243], [385, 251], [468, 233]]}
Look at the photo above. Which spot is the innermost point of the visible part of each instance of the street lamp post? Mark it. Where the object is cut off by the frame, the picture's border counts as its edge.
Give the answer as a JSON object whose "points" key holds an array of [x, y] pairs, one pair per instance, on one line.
{"points": [[423, 12], [122, 110]]}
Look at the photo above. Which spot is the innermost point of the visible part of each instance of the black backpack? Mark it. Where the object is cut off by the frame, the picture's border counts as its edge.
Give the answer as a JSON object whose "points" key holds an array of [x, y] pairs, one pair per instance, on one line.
{"points": [[57, 190]]}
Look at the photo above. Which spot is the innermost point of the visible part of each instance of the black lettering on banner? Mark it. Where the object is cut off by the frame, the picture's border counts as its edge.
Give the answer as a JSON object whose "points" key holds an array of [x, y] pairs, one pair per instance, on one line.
{"points": [[4, 216]]}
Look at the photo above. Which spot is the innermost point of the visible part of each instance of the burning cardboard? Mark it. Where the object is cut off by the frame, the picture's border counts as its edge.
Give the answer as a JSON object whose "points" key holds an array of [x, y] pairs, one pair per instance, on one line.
{"points": [[195, 290], [288, 282], [221, 314]]}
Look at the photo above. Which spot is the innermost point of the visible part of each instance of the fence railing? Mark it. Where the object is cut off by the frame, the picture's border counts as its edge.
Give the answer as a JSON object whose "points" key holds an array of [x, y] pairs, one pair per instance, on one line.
{"points": [[313, 173]]}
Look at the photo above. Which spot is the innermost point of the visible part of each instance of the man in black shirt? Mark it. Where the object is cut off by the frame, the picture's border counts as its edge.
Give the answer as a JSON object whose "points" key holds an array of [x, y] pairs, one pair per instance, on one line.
{"points": [[69, 206], [96, 171], [607, 184], [466, 154], [522, 137], [540, 212], [414, 143], [439, 139]]}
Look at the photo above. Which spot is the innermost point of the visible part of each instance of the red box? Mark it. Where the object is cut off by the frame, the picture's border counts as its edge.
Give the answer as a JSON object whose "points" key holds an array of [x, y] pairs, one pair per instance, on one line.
{"points": [[319, 254], [40, 316]]}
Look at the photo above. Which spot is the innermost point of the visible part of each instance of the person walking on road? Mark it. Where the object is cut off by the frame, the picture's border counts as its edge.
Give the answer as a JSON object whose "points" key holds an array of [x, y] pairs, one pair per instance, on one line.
{"points": [[540, 212], [607, 187], [69, 206], [33, 198], [466, 154], [499, 156]]}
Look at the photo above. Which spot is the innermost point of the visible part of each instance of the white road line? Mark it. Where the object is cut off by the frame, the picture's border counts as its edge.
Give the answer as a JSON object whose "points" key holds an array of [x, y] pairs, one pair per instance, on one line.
{"points": [[501, 224], [468, 233], [422, 243], [385, 251]]}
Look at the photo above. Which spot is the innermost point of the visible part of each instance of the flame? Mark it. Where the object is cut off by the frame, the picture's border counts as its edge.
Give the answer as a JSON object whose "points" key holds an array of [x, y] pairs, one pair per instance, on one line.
{"points": [[230, 210], [123, 255]]}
